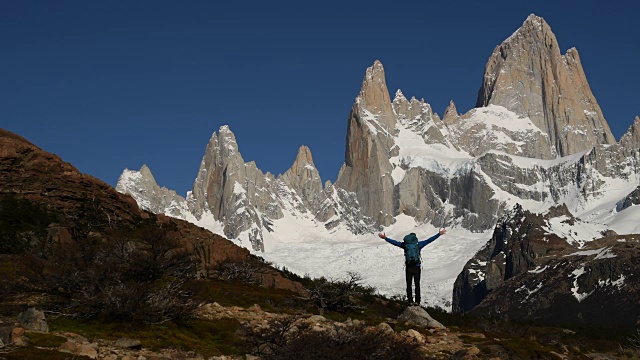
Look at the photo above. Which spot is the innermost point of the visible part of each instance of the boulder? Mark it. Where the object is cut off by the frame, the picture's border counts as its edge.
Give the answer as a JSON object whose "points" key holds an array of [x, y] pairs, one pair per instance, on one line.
{"points": [[416, 335], [34, 320], [419, 316], [386, 328]]}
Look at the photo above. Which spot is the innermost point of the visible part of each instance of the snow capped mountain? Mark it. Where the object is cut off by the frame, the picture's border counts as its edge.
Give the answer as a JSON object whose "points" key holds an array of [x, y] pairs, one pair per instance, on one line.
{"points": [[407, 170], [527, 74]]}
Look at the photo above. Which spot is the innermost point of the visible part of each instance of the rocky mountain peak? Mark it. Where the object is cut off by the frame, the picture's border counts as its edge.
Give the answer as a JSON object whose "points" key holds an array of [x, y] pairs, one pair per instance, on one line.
{"points": [[450, 114], [304, 178], [631, 138], [303, 162], [399, 96], [227, 139], [146, 172], [529, 76], [304, 154], [533, 26], [142, 186], [374, 95]]}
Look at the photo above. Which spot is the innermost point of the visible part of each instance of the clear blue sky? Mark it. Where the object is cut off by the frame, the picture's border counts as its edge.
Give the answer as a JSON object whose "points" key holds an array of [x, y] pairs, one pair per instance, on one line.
{"points": [[114, 84]]}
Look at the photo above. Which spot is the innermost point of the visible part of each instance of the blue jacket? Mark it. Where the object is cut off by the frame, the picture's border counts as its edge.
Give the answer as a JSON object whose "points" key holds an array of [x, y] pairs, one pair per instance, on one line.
{"points": [[421, 244]]}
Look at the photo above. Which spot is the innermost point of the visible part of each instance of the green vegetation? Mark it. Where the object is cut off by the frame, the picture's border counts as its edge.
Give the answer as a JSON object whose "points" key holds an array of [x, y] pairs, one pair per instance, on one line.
{"points": [[207, 337], [236, 293], [45, 340]]}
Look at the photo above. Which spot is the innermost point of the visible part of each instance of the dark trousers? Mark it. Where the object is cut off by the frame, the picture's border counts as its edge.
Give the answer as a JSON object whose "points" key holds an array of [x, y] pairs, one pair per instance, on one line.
{"points": [[413, 272]]}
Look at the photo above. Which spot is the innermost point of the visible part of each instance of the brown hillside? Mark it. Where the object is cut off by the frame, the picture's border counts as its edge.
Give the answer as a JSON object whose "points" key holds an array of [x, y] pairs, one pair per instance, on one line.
{"points": [[44, 178]]}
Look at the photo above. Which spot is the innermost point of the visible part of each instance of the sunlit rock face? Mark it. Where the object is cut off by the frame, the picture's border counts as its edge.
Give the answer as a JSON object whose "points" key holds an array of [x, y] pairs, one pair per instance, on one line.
{"points": [[528, 75]]}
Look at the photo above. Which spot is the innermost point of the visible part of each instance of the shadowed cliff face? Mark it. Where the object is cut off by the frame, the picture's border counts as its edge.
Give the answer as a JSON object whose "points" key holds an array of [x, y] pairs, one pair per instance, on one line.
{"points": [[526, 273], [528, 75], [43, 178]]}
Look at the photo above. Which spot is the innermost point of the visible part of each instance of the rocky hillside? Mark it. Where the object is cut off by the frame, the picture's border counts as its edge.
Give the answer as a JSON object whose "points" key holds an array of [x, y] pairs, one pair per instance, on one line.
{"points": [[87, 205], [529, 272]]}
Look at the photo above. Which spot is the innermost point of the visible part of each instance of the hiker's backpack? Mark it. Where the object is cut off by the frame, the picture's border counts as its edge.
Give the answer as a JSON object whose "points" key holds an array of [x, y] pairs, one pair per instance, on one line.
{"points": [[411, 250]]}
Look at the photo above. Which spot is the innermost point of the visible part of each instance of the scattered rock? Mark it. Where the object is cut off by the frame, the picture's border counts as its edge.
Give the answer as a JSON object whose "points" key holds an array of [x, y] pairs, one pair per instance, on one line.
{"points": [[126, 343], [34, 319], [69, 346], [89, 350], [416, 335], [316, 319], [386, 328], [473, 351], [75, 337], [17, 337]]}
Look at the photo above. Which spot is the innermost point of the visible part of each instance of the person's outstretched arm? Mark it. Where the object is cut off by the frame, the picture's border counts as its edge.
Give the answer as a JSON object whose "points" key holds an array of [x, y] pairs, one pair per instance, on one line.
{"points": [[390, 241], [424, 243]]}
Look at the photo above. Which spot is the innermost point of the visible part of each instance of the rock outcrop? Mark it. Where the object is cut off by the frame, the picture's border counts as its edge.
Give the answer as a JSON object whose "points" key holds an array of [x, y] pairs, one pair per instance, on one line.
{"points": [[451, 114], [34, 319], [528, 75], [304, 179], [142, 185], [632, 199], [235, 192], [518, 240], [528, 272], [631, 138], [370, 143], [421, 317], [420, 118]]}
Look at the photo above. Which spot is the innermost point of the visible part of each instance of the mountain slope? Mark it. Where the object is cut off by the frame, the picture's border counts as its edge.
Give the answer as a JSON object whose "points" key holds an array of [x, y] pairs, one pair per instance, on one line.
{"points": [[89, 208], [532, 270]]}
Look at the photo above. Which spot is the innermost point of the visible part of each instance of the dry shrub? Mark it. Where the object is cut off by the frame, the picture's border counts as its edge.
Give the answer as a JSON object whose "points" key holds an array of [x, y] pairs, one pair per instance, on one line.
{"points": [[339, 294], [289, 338], [130, 273]]}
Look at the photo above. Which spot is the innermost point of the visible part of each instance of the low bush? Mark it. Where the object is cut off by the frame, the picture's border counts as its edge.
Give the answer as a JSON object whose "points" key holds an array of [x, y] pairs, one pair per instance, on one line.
{"points": [[206, 337], [339, 294], [45, 340]]}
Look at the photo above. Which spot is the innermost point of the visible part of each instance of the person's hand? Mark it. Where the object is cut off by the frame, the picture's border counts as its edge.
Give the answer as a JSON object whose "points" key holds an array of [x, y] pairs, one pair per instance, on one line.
{"points": [[442, 231], [382, 236]]}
